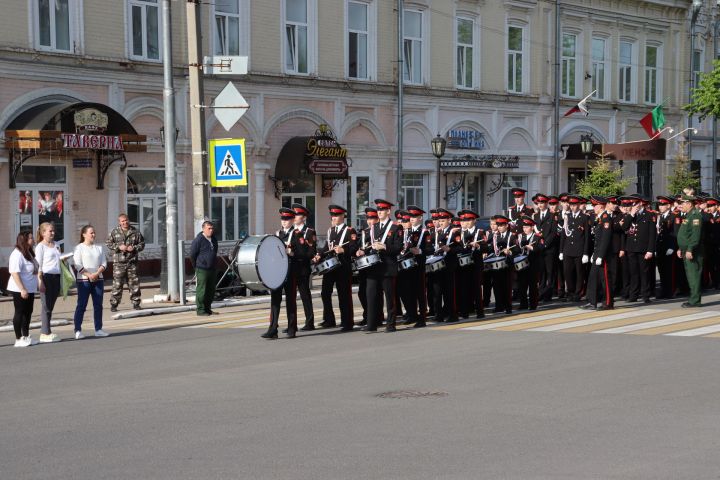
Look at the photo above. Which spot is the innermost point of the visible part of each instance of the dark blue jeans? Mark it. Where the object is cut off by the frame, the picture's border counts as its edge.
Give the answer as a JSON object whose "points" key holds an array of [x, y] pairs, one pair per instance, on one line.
{"points": [[86, 289]]}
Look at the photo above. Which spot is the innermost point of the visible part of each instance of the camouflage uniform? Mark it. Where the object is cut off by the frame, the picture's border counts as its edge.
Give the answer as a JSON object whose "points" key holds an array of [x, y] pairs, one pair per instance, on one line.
{"points": [[125, 263]]}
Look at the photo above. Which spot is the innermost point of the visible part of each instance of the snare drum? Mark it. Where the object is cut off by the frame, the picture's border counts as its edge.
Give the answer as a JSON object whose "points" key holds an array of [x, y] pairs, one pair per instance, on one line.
{"points": [[434, 264], [367, 261], [407, 263], [465, 259], [262, 262], [521, 262], [495, 263], [325, 266]]}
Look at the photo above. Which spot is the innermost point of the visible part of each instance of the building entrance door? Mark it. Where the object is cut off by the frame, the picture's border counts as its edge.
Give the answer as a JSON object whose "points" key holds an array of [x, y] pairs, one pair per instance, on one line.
{"points": [[38, 204]]}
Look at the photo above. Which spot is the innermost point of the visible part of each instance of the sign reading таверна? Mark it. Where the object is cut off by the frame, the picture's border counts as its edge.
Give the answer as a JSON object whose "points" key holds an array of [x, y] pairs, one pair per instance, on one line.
{"points": [[92, 142]]}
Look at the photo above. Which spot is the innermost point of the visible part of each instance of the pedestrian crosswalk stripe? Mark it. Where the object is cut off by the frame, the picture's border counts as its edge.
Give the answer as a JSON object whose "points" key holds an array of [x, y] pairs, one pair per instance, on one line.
{"points": [[597, 320], [517, 321], [657, 323], [697, 331], [532, 323], [678, 327]]}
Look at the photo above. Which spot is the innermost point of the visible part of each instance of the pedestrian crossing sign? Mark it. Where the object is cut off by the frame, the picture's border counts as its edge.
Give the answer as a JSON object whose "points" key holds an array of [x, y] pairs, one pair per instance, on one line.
{"points": [[227, 162]]}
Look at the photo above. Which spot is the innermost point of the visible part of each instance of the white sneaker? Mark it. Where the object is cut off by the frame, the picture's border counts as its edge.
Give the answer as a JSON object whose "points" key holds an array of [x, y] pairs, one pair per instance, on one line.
{"points": [[79, 335], [22, 342], [49, 338], [31, 340], [101, 333]]}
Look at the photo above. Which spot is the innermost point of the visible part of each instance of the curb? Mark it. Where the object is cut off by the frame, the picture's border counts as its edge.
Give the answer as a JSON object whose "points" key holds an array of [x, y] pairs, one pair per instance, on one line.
{"points": [[35, 325], [264, 299]]}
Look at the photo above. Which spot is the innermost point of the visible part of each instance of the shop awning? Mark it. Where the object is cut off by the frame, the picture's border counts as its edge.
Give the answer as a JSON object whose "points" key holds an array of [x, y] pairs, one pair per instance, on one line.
{"points": [[291, 160]]}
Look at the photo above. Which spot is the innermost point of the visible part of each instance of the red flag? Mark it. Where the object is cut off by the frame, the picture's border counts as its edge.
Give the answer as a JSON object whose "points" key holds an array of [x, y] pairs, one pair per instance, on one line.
{"points": [[581, 106]]}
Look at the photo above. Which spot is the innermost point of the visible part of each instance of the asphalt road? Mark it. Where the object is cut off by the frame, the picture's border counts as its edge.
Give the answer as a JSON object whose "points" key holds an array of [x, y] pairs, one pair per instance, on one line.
{"points": [[206, 404]]}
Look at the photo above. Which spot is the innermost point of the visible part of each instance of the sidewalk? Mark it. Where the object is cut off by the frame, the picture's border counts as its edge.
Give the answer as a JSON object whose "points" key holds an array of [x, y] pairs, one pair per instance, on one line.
{"points": [[149, 287]]}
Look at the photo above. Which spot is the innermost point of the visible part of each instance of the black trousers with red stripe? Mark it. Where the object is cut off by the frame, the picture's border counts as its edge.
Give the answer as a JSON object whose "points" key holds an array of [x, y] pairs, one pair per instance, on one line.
{"points": [[600, 285], [666, 268], [289, 288], [528, 284], [377, 287], [341, 279], [444, 295]]}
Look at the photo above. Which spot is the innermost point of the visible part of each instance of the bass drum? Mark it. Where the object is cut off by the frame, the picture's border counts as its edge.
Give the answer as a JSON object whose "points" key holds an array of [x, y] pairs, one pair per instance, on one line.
{"points": [[261, 262]]}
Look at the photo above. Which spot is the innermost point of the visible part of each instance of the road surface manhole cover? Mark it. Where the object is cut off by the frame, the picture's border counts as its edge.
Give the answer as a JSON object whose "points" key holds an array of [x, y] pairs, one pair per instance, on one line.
{"points": [[413, 394]]}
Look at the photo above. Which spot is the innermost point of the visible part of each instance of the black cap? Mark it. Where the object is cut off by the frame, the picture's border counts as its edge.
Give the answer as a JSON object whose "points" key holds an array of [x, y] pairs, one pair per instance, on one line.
{"points": [[287, 213], [383, 204], [300, 209], [336, 210]]}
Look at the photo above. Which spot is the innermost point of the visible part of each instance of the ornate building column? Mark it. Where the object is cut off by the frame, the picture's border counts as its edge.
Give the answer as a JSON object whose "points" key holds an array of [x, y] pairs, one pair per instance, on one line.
{"points": [[261, 170]]}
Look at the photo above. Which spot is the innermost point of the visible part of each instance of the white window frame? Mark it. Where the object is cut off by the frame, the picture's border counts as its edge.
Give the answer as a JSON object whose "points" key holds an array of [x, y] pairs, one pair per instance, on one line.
{"points": [[312, 41], [605, 93], [156, 208], [371, 40], [657, 71], [235, 196], [625, 69], [75, 27], [422, 189], [518, 181], [145, 4], [475, 52], [244, 25], [698, 67], [568, 64], [524, 61], [424, 56]]}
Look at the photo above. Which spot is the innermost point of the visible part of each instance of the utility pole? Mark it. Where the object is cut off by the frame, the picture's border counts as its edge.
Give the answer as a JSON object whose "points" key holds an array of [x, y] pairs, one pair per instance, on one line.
{"points": [[200, 191], [171, 213], [400, 77]]}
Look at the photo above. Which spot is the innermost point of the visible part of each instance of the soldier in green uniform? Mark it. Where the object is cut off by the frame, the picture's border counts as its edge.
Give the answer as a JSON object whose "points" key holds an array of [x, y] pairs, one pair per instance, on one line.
{"points": [[690, 248], [125, 242]]}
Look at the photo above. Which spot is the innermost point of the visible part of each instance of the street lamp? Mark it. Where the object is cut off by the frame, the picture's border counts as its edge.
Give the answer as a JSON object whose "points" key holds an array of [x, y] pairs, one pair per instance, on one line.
{"points": [[586, 144], [438, 149]]}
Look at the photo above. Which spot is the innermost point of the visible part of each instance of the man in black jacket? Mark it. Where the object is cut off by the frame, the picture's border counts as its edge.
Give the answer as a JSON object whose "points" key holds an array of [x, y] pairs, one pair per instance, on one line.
{"points": [[640, 231], [301, 264], [386, 240], [546, 225], [666, 246], [531, 244], [599, 282], [411, 282], [203, 254], [574, 244]]}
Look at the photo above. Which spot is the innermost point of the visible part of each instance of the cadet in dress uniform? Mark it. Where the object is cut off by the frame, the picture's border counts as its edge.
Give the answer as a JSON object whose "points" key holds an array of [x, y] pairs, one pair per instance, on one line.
{"points": [[487, 282], [682, 284], [690, 249], [302, 264], [431, 225], [574, 244], [386, 240], [402, 219], [468, 279], [411, 282], [504, 243], [562, 211], [665, 247], [713, 236], [294, 246], [612, 261], [447, 242], [342, 241], [371, 218], [532, 244], [519, 209], [545, 223], [640, 231], [599, 286]]}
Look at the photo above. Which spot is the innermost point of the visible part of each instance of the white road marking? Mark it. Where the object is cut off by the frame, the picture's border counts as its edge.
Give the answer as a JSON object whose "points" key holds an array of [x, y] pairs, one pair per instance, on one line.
{"points": [[508, 323], [696, 332], [657, 323], [592, 321]]}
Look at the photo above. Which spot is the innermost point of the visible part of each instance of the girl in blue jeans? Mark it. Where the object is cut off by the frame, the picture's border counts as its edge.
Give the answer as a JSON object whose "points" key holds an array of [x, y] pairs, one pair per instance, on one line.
{"points": [[90, 263]]}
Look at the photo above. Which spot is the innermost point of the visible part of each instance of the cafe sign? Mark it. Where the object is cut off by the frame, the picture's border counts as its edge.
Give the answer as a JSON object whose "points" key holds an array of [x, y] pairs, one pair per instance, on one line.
{"points": [[466, 139], [324, 155], [482, 161], [91, 142]]}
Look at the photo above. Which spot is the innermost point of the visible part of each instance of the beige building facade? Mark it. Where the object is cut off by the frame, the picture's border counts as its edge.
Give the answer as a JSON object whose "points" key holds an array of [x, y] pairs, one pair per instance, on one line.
{"points": [[478, 72]]}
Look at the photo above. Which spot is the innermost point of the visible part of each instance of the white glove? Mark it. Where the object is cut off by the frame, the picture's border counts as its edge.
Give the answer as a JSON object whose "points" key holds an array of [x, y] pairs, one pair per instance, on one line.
{"points": [[670, 251], [585, 259], [598, 261], [561, 257]]}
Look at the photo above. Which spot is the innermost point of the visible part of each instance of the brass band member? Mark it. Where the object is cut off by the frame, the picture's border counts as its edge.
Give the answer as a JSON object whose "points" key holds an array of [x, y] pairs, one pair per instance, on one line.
{"points": [[574, 245], [532, 244], [412, 282], [371, 218], [600, 286], [504, 244], [302, 265], [546, 224], [469, 277], [666, 246]]}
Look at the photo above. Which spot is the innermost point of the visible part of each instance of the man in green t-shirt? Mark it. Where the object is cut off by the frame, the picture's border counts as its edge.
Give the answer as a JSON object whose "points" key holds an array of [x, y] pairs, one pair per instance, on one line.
{"points": [[690, 248]]}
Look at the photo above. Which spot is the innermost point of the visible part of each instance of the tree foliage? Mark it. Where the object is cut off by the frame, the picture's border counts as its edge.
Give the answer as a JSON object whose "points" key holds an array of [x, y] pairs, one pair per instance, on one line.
{"points": [[706, 95], [682, 176], [603, 179]]}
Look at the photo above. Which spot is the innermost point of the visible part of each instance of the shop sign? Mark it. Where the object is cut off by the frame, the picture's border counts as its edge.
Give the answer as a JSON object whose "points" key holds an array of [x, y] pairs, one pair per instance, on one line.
{"points": [[91, 142], [82, 162], [90, 120], [324, 155], [482, 161], [466, 139], [641, 150]]}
